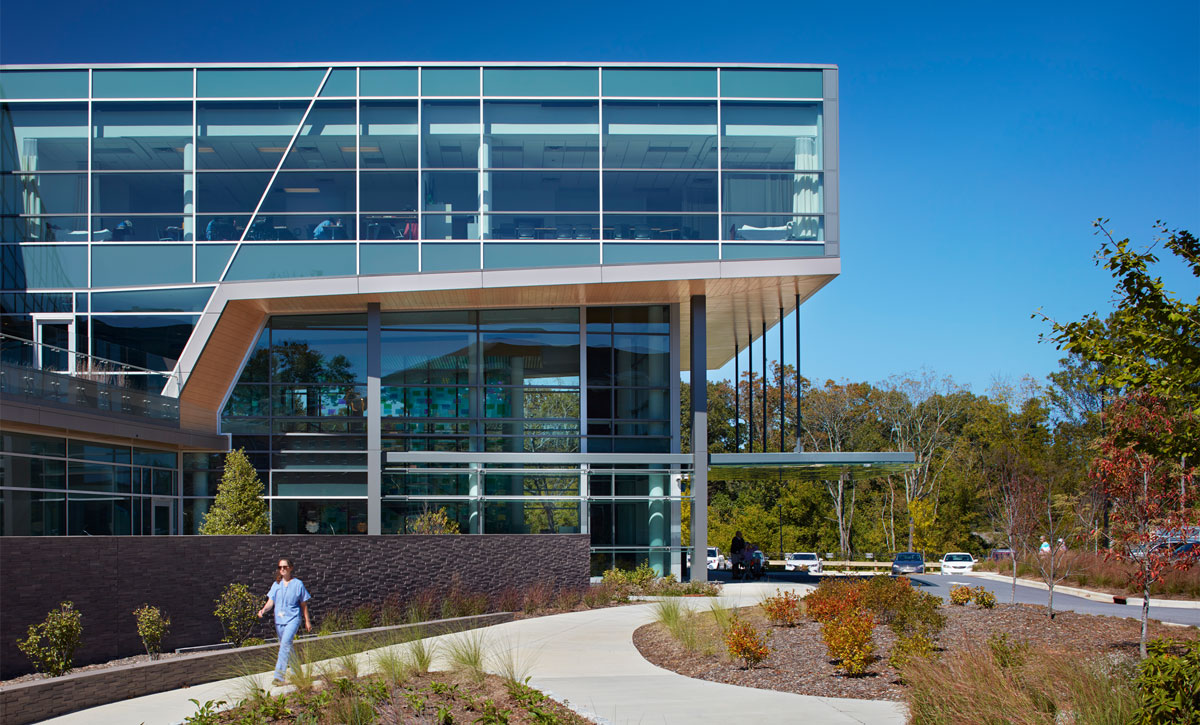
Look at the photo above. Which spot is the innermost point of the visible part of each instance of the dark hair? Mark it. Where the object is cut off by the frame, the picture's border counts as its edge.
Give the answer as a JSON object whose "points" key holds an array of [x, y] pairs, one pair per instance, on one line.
{"points": [[278, 576]]}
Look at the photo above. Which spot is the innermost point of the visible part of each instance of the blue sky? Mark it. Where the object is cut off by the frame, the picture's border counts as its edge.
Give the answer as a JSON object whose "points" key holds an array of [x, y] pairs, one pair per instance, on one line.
{"points": [[978, 141]]}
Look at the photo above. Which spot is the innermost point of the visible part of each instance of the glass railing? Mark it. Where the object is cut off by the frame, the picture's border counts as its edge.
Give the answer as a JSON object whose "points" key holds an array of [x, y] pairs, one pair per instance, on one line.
{"points": [[53, 374]]}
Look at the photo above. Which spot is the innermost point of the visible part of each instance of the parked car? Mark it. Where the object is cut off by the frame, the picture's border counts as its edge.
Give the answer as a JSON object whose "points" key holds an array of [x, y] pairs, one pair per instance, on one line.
{"points": [[1001, 554], [958, 562], [908, 562], [803, 561], [716, 560]]}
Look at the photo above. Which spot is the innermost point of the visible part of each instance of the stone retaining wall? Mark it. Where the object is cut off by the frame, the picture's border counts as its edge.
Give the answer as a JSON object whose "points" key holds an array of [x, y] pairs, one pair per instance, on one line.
{"points": [[37, 700], [108, 577]]}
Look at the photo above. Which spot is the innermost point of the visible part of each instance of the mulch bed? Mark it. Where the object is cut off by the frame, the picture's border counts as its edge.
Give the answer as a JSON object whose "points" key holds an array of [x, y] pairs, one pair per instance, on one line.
{"points": [[799, 662]]}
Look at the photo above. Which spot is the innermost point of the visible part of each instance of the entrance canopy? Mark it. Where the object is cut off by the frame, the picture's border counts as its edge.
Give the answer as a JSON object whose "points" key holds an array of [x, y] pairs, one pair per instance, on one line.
{"points": [[807, 466]]}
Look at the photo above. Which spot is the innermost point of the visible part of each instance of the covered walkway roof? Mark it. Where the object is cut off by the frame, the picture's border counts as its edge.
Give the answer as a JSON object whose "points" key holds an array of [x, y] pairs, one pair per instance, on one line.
{"points": [[807, 466]]}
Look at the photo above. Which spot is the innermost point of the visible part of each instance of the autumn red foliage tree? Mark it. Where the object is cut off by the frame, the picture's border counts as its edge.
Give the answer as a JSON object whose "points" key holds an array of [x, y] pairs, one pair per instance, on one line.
{"points": [[1148, 492]]}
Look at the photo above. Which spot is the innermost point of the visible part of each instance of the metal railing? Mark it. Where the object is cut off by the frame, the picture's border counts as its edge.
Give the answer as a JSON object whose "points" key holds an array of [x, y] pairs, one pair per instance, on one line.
{"points": [[47, 373]]}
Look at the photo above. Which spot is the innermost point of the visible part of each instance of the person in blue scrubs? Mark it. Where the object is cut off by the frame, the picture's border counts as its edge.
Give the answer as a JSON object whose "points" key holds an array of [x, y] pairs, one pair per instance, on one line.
{"points": [[289, 599]]}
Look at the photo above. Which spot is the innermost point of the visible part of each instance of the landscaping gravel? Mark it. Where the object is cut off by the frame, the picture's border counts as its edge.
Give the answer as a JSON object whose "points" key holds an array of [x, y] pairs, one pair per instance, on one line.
{"points": [[799, 662]]}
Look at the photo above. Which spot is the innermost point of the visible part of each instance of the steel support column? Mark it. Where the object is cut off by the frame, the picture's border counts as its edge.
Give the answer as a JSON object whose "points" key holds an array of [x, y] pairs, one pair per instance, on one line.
{"points": [[699, 378], [374, 425]]}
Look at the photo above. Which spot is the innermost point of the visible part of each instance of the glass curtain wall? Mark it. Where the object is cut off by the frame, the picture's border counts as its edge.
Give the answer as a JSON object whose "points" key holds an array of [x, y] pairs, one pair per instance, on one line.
{"points": [[242, 173], [491, 381], [57, 486]]}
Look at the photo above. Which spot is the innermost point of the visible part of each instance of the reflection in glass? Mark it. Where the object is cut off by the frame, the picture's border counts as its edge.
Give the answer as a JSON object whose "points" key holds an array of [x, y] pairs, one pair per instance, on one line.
{"points": [[251, 82], [450, 81], [318, 355], [660, 135], [401, 517], [542, 190], [327, 139], [221, 228], [142, 83], [644, 191], [771, 135], [140, 193], [642, 227], [541, 134], [33, 513], [387, 81], [318, 517], [542, 226], [415, 483], [420, 357], [540, 81], [141, 135], [311, 192], [518, 517], [43, 137], [778, 193], [44, 194], [530, 358], [763, 227], [230, 192], [389, 134], [245, 134], [450, 134], [152, 342], [388, 190], [668, 82], [770, 83]]}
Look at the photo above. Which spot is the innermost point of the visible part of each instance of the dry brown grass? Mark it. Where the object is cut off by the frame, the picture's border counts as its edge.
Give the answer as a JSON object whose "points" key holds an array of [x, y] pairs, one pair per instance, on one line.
{"points": [[1093, 571]]}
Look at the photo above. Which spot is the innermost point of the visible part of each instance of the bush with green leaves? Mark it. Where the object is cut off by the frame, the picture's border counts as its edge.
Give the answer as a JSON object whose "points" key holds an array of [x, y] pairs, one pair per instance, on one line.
{"points": [[1169, 684], [983, 598], [1007, 653], [239, 507], [237, 609], [907, 648], [152, 627], [51, 645], [848, 640], [960, 595]]}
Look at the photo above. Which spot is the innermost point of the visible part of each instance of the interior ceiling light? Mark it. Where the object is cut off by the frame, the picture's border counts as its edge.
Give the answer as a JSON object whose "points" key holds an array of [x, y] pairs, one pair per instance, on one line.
{"points": [[301, 190], [364, 149], [272, 149], [199, 149]]}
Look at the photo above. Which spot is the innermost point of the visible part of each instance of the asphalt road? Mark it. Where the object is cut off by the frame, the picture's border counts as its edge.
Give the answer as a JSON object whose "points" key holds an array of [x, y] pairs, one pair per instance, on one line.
{"points": [[940, 584]]}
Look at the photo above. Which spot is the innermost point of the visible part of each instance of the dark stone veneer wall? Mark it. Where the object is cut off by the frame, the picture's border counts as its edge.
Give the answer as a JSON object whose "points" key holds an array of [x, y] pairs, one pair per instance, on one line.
{"points": [[108, 577]]}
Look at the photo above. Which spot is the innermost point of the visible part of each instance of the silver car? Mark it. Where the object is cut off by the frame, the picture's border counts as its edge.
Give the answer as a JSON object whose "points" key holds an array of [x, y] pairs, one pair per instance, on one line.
{"points": [[908, 562]]}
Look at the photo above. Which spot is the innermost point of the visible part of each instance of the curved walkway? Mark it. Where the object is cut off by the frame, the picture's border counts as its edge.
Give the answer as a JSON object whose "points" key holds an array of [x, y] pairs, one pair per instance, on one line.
{"points": [[588, 660]]}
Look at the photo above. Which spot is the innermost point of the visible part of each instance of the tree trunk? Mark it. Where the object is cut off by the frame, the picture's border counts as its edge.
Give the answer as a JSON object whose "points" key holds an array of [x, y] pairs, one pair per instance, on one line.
{"points": [[912, 526], [1145, 615], [1013, 556]]}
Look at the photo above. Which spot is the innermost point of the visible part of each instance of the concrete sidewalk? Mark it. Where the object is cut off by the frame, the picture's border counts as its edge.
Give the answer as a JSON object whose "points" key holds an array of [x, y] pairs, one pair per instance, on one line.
{"points": [[588, 660]]}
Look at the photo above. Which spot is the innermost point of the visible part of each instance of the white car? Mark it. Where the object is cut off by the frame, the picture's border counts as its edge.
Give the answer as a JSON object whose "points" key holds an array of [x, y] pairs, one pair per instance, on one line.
{"points": [[716, 560], [958, 562], [804, 561]]}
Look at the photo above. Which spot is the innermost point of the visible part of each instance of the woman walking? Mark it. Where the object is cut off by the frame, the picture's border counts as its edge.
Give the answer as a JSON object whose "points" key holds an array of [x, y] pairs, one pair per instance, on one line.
{"points": [[289, 598]]}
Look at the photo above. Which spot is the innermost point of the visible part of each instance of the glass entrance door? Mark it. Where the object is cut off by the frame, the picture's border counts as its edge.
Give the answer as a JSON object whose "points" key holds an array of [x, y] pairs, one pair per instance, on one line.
{"points": [[164, 517], [56, 343]]}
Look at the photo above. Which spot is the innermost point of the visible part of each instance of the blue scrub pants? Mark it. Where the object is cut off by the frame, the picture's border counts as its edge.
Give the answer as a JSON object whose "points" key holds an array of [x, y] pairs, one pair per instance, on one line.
{"points": [[286, 633]]}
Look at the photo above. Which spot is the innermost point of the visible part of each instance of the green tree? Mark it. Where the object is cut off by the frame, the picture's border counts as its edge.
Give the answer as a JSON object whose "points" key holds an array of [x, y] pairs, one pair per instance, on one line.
{"points": [[1151, 340], [239, 507]]}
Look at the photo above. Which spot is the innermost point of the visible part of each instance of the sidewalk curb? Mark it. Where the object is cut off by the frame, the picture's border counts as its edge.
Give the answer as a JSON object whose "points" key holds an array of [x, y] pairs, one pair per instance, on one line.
{"points": [[1088, 593]]}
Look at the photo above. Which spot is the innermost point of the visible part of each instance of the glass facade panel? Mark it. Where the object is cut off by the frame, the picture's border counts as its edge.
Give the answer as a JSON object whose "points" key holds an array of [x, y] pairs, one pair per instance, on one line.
{"points": [[773, 193], [540, 82], [389, 134], [643, 252], [211, 260], [227, 193], [763, 227], [450, 133], [152, 342], [749, 250], [191, 299], [664, 82], [43, 84], [317, 516], [341, 82], [550, 191], [43, 137], [44, 193], [648, 191], [659, 227], [771, 136], [388, 191], [387, 81], [450, 81], [141, 228], [660, 135], [137, 136], [139, 193], [541, 134], [387, 258], [542, 226], [126, 264], [451, 191], [245, 134], [770, 83], [326, 141], [520, 517], [251, 82], [311, 191], [42, 228], [33, 513], [379, 227], [41, 266], [142, 84]]}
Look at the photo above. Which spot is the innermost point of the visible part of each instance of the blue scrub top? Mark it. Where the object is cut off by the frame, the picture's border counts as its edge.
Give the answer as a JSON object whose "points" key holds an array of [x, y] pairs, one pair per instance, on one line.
{"points": [[287, 599]]}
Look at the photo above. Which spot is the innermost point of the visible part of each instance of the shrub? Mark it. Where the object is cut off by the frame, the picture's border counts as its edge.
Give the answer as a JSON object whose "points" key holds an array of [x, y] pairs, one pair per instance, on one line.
{"points": [[598, 595], [237, 609], [51, 645], [461, 603], [642, 575], [1007, 653], [390, 612], [783, 609], [1169, 684], [335, 620], [510, 599], [884, 596], [567, 599], [833, 597], [538, 596], [848, 640], [152, 627], [920, 615], [239, 507], [983, 598], [745, 643], [433, 523], [960, 595], [363, 616], [421, 607], [907, 648]]}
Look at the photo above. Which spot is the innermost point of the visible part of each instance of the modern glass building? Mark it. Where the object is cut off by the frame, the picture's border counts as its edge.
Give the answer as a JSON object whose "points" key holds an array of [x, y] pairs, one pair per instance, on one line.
{"points": [[398, 286]]}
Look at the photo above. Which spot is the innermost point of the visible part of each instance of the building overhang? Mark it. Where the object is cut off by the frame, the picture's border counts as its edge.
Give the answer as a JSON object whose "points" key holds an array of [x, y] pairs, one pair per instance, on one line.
{"points": [[823, 466]]}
